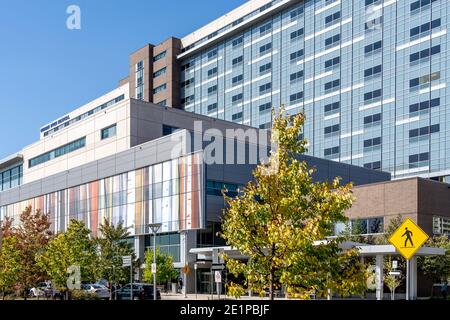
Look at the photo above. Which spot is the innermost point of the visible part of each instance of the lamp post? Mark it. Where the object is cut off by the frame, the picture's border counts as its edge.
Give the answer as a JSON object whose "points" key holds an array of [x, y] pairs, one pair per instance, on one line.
{"points": [[155, 227]]}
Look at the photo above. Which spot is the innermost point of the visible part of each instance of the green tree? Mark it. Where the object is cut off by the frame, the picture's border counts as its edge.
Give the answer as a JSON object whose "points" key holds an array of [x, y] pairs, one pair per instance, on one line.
{"points": [[72, 248], [112, 245], [165, 270], [33, 234], [10, 264], [437, 267], [280, 221]]}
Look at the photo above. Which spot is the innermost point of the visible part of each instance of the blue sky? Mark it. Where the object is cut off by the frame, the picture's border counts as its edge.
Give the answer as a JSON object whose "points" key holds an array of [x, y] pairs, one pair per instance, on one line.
{"points": [[47, 70]]}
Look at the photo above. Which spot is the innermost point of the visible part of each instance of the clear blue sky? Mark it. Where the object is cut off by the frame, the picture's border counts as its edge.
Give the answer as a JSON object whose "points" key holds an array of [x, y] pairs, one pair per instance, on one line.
{"points": [[47, 70]]}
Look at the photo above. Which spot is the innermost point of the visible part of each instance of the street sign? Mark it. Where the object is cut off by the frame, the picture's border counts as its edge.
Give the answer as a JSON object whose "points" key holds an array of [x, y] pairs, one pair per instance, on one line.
{"points": [[218, 267], [408, 238], [153, 267], [394, 273], [186, 269], [195, 266], [218, 276], [126, 261], [394, 264]]}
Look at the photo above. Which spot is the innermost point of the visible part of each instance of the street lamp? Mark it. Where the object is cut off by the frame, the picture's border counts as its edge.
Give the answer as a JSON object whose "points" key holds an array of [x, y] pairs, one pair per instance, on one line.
{"points": [[155, 227]]}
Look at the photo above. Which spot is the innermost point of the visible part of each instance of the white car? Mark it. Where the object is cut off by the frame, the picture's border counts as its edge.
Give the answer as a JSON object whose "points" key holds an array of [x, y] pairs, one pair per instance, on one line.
{"points": [[100, 291]]}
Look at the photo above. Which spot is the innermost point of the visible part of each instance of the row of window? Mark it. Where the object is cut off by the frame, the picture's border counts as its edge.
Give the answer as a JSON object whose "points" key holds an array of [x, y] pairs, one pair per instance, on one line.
{"points": [[11, 178], [58, 152], [214, 188]]}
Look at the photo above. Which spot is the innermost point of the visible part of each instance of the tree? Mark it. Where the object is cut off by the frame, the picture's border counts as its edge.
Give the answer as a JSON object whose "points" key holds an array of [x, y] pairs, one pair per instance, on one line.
{"points": [[437, 267], [33, 234], [280, 221], [112, 245], [10, 264], [391, 281], [72, 248], [165, 270], [393, 225]]}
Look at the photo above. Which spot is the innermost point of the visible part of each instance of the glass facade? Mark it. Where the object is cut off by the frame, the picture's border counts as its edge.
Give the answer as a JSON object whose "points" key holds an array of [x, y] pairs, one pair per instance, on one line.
{"points": [[170, 193], [368, 75], [11, 178]]}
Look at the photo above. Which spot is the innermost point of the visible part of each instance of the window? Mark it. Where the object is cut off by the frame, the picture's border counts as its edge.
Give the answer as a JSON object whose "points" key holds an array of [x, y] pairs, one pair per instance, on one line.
{"points": [[441, 225], [373, 119], [162, 103], [332, 63], [419, 160], [265, 107], [237, 98], [424, 28], [332, 40], [238, 21], [212, 107], [373, 165], [160, 56], [212, 54], [238, 41], [237, 80], [188, 100], [332, 108], [212, 72], [168, 243], [415, 6], [212, 35], [422, 55], [237, 116], [372, 96], [265, 29], [296, 13], [265, 48], [266, 125], [266, 68], [372, 72], [139, 66], [159, 89], [329, 86], [214, 188], [237, 61], [265, 88], [373, 2], [424, 131], [187, 66], [187, 83], [331, 130], [296, 34], [373, 48], [296, 76], [160, 72], [332, 18], [331, 152], [108, 132], [373, 24], [295, 98], [167, 130], [68, 148], [297, 55], [424, 105], [11, 178], [372, 144], [212, 90], [424, 81], [366, 226]]}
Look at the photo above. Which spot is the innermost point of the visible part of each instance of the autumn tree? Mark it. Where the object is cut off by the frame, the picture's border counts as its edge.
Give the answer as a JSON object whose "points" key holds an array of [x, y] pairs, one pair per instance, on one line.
{"points": [[74, 248], [165, 270], [32, 234], [281, 220], [111, 246], [10, 264]]}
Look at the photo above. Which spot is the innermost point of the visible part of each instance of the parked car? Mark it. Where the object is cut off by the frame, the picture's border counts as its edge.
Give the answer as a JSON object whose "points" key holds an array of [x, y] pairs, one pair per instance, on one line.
{"points": [[45, 289], [141, 291], [100, 291]]}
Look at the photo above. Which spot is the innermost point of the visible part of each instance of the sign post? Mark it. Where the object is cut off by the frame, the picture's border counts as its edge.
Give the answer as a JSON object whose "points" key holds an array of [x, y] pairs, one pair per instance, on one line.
{"points": [[185, 270], [195, 276], [407, 239], [126, 262], [218, 280]]}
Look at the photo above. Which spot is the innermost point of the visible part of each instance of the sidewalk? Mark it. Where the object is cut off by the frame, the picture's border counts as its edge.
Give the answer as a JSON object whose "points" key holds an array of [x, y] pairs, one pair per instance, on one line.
{"points": [[203, 297]]}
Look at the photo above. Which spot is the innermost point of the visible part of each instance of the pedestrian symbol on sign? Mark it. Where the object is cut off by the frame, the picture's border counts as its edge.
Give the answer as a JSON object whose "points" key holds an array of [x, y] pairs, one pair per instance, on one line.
{"points": [[408, 235]]}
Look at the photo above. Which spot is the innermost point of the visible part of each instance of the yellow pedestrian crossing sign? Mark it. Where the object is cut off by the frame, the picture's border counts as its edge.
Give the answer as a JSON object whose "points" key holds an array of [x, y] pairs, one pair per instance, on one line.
{"points": [[408, 238]]}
